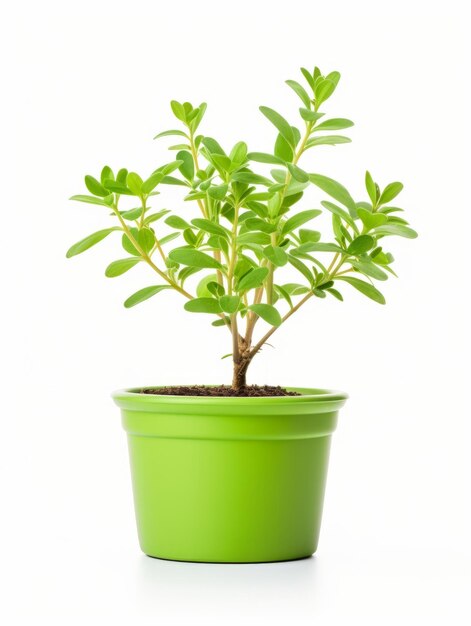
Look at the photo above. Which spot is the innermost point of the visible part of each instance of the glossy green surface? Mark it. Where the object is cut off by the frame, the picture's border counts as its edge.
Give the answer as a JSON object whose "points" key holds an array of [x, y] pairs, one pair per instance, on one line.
{"points": [[229, 479]]}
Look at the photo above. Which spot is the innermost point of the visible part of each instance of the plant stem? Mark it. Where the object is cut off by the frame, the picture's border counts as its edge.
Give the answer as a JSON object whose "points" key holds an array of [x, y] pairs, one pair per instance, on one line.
{"points": [[230, 285], [235, 340], [329, 269], [267, 335], [252, 319], [295, 308], [147, 258], [203, 208], [194, 154]]}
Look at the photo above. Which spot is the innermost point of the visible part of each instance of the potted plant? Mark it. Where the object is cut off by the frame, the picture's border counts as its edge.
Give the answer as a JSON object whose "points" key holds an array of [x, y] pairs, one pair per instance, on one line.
{"points": [[236, 473]]}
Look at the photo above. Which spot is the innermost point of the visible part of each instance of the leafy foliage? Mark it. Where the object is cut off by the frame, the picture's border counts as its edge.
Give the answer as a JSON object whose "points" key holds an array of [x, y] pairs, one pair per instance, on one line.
{"points": [[229, 258]]}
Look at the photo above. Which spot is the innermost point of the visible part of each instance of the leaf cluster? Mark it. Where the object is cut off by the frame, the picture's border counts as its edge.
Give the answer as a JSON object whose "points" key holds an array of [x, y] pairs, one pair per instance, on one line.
{"points": [[238, 239]]}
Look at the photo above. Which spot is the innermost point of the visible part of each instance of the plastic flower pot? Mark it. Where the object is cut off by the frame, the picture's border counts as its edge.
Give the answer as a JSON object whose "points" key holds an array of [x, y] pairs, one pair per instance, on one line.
{"points": [[229, 479]]}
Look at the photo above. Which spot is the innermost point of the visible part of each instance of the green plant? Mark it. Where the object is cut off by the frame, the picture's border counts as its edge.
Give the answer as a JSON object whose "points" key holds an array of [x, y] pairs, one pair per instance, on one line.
{"points": [[246, 232]]}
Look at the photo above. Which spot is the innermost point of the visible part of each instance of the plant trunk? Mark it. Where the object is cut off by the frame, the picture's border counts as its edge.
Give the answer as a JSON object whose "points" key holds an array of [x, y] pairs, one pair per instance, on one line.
{"points": [[239, 380]]}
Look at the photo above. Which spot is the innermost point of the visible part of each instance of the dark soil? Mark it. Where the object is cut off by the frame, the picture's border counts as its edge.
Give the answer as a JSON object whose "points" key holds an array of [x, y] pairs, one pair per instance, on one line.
{"points": [[250, 391]]}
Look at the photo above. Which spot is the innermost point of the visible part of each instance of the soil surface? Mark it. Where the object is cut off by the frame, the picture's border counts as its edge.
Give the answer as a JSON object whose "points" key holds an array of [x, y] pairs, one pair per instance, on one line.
{"points": [[250, 391]]}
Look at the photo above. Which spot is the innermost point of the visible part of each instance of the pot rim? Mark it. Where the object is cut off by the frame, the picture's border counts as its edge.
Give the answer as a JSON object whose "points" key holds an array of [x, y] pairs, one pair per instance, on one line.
{"points": [[308, 394]]}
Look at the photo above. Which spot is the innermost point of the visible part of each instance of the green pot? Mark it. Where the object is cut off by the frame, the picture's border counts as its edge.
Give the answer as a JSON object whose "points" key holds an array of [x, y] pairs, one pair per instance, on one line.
{"points": [[229, 480]]}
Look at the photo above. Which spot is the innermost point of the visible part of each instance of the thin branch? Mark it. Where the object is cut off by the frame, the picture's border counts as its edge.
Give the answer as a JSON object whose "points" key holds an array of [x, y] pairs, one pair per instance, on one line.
{"points": [[267, 335], [147, 258]]}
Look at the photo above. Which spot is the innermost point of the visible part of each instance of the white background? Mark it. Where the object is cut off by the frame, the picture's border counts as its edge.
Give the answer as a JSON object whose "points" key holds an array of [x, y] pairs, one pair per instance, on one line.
{"points": [[88, 84]]}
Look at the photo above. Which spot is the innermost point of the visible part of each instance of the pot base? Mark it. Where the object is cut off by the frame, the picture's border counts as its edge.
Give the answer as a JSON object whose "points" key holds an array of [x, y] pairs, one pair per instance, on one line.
{"points": [[299, 558]]}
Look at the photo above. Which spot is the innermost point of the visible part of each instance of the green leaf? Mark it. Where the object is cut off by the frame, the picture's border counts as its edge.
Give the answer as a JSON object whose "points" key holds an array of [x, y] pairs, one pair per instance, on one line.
{"points": [[89, 200], [282, 293], [300, 92], [89, 241], [221, 162], [168, 133], [370, 187], [116, 268], [212, 146], [202, 290], [274, 204], [171, 180], [299, 265], [215, 289], [276, 255], [106, 174], [144, 294], [218, 243], [298, 220], [132, 214], [361, 244], [229, 304], [210, 227], [168, 238], [334, 189], [310, 116], [267, 312], [238, 154], [307, 248], [336, 210], [335, 293], [197, 116], [118, 187], [255, 223], [263, 157], [190, 237], [254, 278], [371, 220], [120, 176], [394, 219], [151, 183], [168, 168], [365, 288], [307, 75], [334, 77], [297, 173], [251, 179], [337, 227], [180, 146], [134, 183], [281, 124], [295, 289], [253, 238], [283, 150], [203, 305], [144, 237], [396, 229], [195, 258], [309, 236], [327, 140], [95, 187], [218, 192], [369, 269], [220, 322], [390, 192], [324, 90], [186, 167], [337, 123], [174, 221], [156, 216], [178, 110]]}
